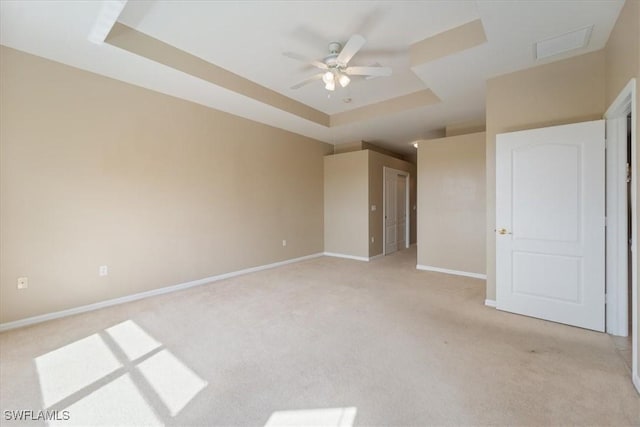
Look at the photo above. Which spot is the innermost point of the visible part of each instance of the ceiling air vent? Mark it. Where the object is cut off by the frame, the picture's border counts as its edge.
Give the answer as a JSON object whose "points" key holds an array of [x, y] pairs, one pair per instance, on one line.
{"points": [[564, 43]]}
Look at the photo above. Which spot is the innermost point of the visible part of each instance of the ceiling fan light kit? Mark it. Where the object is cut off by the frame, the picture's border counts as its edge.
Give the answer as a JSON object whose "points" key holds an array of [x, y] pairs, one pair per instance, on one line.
{"points": [[330, 86], [344, 80], [329, 78], [335, 66]]}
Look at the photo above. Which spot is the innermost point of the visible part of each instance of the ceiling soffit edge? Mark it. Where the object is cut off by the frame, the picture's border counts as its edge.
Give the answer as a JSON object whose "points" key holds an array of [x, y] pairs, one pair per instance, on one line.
{"points": [[387, 107], [448, 43], [133, 41], [138, 43]]}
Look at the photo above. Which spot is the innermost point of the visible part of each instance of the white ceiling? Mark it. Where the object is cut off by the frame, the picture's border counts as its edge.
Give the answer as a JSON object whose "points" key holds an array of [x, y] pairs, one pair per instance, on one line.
{"points": [[249, 37]]}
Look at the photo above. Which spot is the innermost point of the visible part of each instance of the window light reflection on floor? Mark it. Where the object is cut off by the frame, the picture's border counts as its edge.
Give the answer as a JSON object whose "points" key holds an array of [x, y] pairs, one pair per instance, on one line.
{"points": [[104, 379], [132, 339], [64, 371], [116, 403], [174, 382], [328, 417]]}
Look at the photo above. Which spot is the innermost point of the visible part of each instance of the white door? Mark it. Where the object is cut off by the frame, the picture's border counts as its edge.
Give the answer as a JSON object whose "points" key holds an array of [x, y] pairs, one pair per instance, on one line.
{"points": [[401, 210], [550, 205], [390, 216]]}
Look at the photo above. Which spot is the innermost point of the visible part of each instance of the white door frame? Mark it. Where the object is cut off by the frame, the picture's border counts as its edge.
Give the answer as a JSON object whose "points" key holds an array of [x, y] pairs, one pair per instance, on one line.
{"points": [[386, 170], [617, 287]]}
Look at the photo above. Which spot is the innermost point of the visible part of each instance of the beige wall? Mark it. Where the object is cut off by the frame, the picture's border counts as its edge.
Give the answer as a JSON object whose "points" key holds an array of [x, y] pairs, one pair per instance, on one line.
{"points": [[568, 91], [369, 146], [377, 162], [622, 52], [364, 145], [98, 172], [475, 126], [347, 147], [622, 64], [354, 182], [345, 207], [452, 203]]}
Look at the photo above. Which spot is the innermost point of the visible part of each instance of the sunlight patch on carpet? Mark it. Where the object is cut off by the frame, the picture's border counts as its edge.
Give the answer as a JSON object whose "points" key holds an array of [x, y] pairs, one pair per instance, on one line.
{"points": [[132, 339], [119, 376], [174, 382], [67, 370], [118, 403], [328, 417]]}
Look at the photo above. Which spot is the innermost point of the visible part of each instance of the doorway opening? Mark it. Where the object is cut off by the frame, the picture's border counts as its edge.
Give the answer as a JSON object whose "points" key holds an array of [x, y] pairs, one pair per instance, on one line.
{"points": [[629, 227], [395, 235], [622, 227]]}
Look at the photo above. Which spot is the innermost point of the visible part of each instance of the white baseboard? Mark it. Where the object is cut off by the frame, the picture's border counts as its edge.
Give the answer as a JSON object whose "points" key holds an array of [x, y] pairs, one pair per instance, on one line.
{"points": [[636, 382], [160, 291], [336, 255], [447, 271], [490, 303]]}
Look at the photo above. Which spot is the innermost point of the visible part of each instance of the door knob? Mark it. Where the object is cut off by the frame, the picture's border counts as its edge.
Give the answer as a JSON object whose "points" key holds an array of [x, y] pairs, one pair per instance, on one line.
{"points": [[502, 231]]}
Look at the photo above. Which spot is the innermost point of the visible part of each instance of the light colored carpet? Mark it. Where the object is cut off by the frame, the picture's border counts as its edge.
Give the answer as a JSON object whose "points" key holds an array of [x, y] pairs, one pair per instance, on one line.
{"points": [[335, 341]]}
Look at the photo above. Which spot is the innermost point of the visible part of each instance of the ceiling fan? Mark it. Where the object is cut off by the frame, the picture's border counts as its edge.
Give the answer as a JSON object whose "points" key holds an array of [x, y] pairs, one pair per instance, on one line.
{"points": [[335, 67]]}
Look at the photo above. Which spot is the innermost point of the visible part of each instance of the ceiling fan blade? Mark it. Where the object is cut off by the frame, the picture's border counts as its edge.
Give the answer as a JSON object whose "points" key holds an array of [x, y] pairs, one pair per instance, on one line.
{"points": [[307, 81], [375, 64], [298, 57], [352, 47], [374, 53], [369, 71]]}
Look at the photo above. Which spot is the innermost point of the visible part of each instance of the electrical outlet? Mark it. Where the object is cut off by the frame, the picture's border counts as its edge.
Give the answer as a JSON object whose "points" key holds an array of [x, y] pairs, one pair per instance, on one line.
{"points": [[23, 282], [103, 270], [284, 243], [373, 208], [373, 239]]}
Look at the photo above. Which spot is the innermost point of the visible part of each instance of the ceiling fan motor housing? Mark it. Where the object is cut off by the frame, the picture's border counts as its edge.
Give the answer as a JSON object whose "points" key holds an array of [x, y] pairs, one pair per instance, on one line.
{"points": [[335, 48], [334, 51]]}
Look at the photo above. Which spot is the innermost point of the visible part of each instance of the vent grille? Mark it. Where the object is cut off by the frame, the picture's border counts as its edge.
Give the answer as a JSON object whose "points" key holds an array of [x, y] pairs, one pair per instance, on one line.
{"points": [[564, 43]]}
